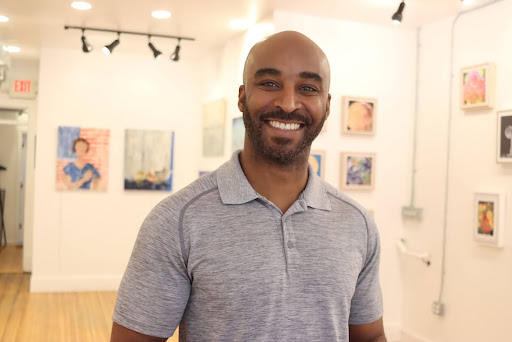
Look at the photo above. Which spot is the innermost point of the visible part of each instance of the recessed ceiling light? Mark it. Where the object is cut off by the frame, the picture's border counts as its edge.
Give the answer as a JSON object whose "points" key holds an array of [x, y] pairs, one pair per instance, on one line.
{"points": [[161, 14], [467, 2], [3, 19], [81, 5], [12, 49], [239, 24]]}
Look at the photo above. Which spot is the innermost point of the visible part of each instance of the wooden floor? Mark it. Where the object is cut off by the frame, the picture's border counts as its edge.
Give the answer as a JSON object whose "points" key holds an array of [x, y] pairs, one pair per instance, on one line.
{"points": [[49, 317], [11, 259]]}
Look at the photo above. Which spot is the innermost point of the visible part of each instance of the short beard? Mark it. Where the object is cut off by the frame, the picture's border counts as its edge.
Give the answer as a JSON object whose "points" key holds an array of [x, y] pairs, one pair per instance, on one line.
{"points": [[281, 154]]}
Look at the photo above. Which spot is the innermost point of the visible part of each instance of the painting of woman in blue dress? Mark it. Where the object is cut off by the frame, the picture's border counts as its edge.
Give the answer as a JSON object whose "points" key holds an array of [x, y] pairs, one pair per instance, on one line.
{"points": [[81, 174]]}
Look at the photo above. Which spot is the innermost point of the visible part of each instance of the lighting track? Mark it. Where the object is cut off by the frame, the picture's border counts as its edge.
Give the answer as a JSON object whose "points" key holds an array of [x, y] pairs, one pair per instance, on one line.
{"points": [[107, 49]]}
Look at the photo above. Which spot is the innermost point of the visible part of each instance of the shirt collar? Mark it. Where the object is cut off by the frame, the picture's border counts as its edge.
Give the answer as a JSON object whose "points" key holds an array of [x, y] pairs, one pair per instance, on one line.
{"points": [[234, 188]]}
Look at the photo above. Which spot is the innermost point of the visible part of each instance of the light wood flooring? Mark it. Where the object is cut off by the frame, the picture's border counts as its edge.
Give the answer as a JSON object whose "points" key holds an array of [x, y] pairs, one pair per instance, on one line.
{"points": [[49, 317]]}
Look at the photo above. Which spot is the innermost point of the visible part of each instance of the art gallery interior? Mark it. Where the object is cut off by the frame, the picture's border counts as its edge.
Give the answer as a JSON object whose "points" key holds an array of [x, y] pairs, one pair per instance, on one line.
{"points": [[432, 157]]}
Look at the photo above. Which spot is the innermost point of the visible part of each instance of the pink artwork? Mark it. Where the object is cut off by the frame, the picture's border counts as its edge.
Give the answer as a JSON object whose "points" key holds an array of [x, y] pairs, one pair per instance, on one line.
{"points": [[477, 86], [82, 159]]}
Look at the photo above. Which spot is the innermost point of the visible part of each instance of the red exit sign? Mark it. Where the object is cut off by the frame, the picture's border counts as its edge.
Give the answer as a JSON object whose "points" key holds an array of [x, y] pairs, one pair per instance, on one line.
{"points": [[22, 86], [23, 89]]}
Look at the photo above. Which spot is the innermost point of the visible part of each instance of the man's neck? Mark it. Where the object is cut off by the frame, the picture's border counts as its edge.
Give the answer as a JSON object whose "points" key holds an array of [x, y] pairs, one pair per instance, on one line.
{"points": [[280, 184]]}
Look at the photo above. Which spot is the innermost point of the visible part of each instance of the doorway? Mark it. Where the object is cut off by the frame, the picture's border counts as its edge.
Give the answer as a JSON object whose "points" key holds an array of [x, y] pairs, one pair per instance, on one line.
{"points": [[17, 152]]}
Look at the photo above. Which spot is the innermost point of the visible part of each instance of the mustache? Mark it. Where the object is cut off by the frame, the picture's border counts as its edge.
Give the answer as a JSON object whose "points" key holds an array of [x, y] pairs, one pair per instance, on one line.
{"points": [[280, 114]]}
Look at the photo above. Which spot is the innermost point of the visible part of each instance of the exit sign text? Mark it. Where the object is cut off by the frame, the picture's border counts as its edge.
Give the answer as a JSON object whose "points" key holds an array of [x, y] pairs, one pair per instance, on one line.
{"points": [[22, 86]]}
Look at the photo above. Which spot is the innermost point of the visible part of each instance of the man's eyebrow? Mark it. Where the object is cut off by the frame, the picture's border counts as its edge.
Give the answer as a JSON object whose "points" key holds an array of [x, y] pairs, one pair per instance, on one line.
{"points": [[267, 71], [312, 75]]}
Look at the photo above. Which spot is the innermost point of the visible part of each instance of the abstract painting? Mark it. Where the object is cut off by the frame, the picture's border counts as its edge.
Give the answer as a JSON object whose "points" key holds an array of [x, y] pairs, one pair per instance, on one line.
{"points": [[357, 171], [237, 134], [359, 115], [489, 218], [504, 134], [82, 158], [317, 162], [148, 160], [477, 86], [214, 123]]}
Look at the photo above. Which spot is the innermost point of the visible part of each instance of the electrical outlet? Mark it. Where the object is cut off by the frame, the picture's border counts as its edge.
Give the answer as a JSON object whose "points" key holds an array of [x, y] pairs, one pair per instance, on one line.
{"points": [[438, 308], [412, 213]]}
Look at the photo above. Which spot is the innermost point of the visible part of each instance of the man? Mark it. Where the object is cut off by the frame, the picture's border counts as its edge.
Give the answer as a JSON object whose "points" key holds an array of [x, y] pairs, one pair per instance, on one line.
{"points": [[261, 249]]}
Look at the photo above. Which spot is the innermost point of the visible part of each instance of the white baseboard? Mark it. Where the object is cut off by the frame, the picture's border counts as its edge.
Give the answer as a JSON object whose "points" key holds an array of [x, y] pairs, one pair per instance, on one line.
{"points": [[74, 283], [393, 332], [409, 336]]}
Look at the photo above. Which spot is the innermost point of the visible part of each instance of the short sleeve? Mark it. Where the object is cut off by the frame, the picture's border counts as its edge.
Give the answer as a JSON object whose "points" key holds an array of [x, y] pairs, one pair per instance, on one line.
{"points": [[366, 305], [68, 169], [96, 173], [155, 288]]}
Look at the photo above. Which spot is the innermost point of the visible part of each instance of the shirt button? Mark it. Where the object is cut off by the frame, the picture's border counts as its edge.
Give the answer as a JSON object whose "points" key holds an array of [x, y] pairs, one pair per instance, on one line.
{"points": [[290, 244]]}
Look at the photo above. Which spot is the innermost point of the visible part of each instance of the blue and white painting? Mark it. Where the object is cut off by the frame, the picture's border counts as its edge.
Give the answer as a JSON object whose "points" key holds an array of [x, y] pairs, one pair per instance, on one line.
{"points": [[317, 162], [358, 171], [148, 160], [238, 134]]}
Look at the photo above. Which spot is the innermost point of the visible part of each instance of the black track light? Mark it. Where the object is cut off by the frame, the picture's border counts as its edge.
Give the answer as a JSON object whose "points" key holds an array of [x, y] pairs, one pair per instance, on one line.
{"points": [[107, 49], [397, 17], [176, 54], [156, 52], [86, 47]]}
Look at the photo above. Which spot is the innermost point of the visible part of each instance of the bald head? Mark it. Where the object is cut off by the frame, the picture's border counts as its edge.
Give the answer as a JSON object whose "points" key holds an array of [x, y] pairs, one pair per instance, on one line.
{"points": [[285, 47]]}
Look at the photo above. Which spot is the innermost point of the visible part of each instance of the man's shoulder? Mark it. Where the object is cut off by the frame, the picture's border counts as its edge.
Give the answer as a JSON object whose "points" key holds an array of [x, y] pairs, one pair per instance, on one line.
{"points": [[180, 200], [341, 200]]}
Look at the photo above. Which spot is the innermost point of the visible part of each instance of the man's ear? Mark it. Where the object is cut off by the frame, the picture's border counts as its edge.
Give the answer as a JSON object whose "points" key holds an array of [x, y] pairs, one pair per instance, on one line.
{"points": [[328, 106], [241, 97]]}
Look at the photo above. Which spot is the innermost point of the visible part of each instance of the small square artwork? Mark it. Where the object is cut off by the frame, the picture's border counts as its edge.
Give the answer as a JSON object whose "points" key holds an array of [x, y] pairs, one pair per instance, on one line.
{"points": [[148, 160], [317, 162], [237, 134], [359, 115], [477, 86], [214, 122], [489, 218], [357, 171], [82, 158], [504, 134]]}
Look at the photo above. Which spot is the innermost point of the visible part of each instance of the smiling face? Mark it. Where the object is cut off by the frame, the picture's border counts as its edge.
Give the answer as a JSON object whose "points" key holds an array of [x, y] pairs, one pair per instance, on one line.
{"points": [[285, 97]]}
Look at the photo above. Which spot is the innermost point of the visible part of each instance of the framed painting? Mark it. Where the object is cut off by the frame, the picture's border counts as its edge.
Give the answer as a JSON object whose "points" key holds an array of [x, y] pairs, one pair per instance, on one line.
{"points": [[82, 158], [504, 134], [477, 86], [148, 160], [359, 115], [489, 212], [317, 162], [237, 134], [214, 123], [357, 171]]}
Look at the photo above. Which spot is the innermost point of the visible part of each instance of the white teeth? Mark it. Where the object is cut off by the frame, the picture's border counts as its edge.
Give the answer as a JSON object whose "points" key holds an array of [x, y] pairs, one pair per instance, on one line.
{"points": [[285, 126]]}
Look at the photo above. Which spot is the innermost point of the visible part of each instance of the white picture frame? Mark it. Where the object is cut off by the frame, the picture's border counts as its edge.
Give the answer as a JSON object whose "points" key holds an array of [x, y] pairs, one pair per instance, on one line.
{"points": [[489, 218]]}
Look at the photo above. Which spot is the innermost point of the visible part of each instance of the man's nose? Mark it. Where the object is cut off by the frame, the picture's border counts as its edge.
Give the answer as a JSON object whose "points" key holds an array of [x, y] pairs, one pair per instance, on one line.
{"points": [[287, 100]]}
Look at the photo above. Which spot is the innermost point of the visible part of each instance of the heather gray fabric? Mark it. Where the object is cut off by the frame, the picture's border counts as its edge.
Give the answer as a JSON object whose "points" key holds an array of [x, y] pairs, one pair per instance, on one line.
{"points": [[230, 266]]}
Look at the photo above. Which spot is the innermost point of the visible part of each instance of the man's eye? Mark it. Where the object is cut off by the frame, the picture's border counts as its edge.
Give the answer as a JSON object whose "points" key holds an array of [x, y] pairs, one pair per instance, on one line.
{"points": [[308, 88], [268, 84]]}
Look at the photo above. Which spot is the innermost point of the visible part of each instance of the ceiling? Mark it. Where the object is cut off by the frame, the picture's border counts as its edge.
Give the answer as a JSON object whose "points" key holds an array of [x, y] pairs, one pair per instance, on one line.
{"points": [[36, 23]]}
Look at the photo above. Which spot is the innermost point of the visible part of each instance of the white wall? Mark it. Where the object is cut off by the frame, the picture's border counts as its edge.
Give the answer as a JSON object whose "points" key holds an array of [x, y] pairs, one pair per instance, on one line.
{"points": [[82, 240], [370, 61], [478, 281]]}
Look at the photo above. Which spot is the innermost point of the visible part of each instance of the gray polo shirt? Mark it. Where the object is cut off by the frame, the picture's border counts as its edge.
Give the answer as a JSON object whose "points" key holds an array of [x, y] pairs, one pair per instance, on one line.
{"points": [[226, 264]]}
